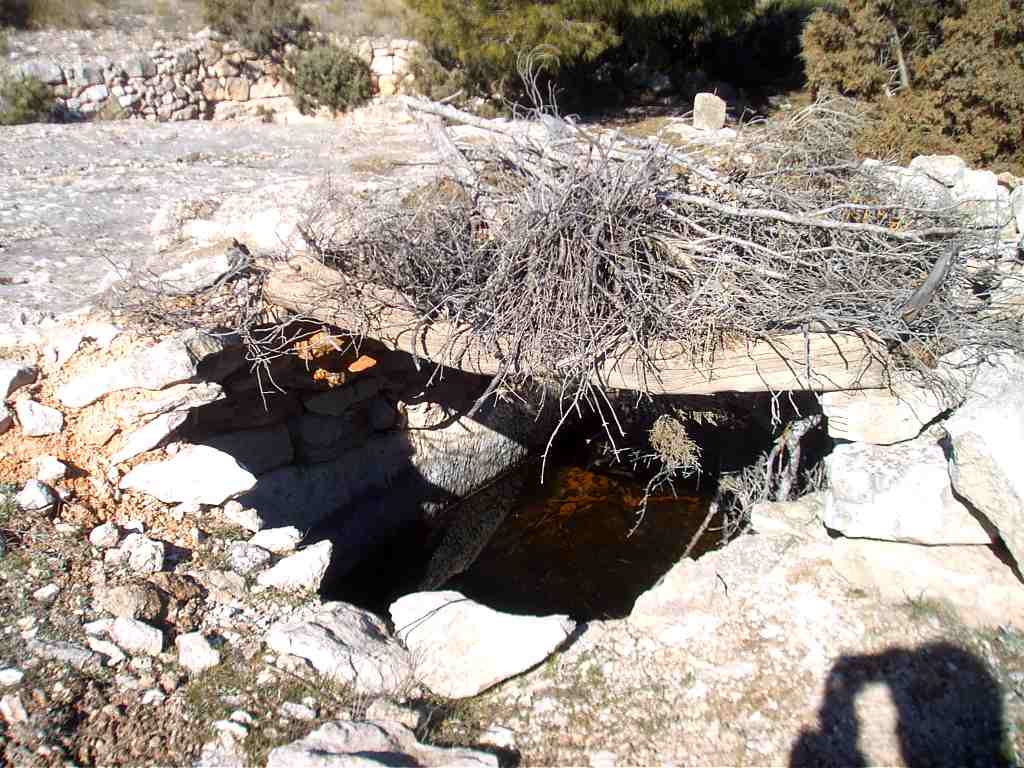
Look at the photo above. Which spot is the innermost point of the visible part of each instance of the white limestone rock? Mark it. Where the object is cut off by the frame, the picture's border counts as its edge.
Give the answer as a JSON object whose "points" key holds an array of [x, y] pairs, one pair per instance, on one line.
{"points": [[149, 436], [136, 637], [947, 170], [708, 112], [49, 469], [244, 558], [371, 743], [987, 438], [301, 571], [462, 648], [105, 536], [880, 416], [143, 554], [277, 540], [247, 519], [172, 361], [195, 652], [897, 493], [198, 474], [36, 497], [346, 644], [180, 397], [38, 420]]}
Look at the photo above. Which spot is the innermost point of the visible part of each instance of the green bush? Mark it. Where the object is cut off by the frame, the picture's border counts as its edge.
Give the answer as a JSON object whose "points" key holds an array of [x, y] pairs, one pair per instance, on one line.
{"points": [[484, 38], [24, 100], [64, 14], [960, 87], [263, 26], [329, 76]]}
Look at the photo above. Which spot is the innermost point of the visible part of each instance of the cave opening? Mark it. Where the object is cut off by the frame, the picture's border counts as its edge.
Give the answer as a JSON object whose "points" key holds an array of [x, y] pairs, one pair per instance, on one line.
{"points": [[579, 541]]}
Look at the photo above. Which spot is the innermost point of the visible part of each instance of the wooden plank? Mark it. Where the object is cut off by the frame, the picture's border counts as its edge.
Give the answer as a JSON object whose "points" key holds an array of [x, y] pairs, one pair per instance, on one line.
{"points": [[821, 362]]}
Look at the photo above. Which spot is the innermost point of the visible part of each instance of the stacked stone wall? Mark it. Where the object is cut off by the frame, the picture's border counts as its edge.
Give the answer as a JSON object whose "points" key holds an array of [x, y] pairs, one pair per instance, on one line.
{"points": [[201, 79]]}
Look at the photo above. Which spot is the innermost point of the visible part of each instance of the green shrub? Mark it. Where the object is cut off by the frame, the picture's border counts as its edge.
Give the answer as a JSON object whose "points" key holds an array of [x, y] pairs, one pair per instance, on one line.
{"points": [[960, 87], [24, 100], [329, 76], [484, 38], [263, 26], [37, 14]]}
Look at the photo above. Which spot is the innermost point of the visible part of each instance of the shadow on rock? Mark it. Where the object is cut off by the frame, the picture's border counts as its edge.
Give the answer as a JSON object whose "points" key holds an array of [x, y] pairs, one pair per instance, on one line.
{"points": [[948, 711]]}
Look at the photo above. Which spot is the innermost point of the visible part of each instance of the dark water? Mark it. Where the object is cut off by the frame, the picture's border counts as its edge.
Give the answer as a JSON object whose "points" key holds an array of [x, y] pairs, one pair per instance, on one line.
{"points": [[576, 545]]}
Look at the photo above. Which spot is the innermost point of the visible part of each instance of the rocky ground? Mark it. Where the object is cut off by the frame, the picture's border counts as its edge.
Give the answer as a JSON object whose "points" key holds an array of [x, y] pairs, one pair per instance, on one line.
{"points": [[77, 201]]}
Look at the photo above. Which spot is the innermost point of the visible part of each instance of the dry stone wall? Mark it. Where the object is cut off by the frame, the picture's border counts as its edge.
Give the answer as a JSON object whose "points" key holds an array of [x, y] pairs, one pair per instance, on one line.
{"points": [[204, 78]]}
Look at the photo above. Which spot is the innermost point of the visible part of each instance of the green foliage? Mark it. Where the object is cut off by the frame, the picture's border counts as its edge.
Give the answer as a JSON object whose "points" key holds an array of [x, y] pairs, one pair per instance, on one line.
{"points": [[484, 37], [38, 14], [24, 100], [263, 26], [964, 62], [331, 77]]}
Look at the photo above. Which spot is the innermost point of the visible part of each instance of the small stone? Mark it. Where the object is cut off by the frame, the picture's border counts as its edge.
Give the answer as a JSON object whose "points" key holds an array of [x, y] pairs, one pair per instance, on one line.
{"points": [[114, 654], [295, 711], [144, 555], [105, 536], [153, 696], [245, 558], [170, 681], [12, 710], [10, 676], [98, 628], [382, 709], [36, 497], [48, 469], [302, 571], [137, 637], [63, 651], [230, 727], [38, 420], [46, 594], [133, 601], [195, 652], [277, 540], [241, 716], [249, 519]]}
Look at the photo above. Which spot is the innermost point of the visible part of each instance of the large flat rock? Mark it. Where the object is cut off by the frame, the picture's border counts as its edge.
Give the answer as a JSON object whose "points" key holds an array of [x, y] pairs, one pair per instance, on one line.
{"points": [[987, 437], [462, 648], [897, 493], [346, 644], [342, 743]]}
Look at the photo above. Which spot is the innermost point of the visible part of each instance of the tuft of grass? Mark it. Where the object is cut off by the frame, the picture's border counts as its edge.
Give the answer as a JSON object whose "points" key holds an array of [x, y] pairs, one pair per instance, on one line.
{"points": [[217, 692], [922, 608]]}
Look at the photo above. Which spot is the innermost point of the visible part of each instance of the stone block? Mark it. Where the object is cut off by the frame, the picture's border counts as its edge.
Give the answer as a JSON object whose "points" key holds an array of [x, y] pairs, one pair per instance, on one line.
{"points": [[237, 89], [880, 416], [708, 112], [897, 493]]}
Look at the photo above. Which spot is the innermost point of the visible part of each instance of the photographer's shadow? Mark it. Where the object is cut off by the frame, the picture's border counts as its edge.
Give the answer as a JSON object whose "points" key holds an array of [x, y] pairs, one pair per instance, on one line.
{"points": [[949, 710]]}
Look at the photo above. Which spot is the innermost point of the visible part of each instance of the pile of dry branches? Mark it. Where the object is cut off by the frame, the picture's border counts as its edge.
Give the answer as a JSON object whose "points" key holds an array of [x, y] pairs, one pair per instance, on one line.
{"points": [[557, 247]]}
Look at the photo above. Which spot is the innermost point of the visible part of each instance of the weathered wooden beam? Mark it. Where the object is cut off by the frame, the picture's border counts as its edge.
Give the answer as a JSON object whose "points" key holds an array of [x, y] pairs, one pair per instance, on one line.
{"points": [[821, 362]]}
